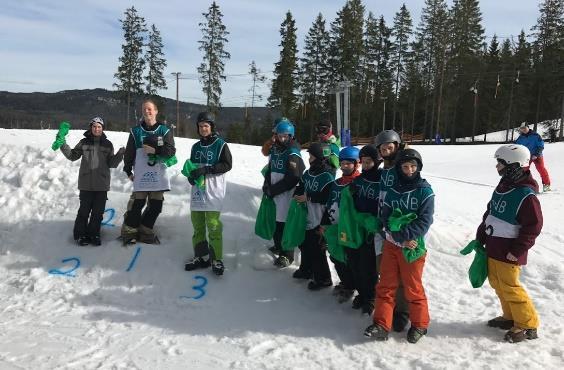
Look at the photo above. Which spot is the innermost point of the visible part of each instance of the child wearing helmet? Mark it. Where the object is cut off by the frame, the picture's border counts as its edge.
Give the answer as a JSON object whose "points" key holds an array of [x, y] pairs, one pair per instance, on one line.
{"points": [[349, 162], [411, 196], [213, 158], [389, 145], [314, 189], [284, 170], [362, 260], [510, 225], [324, 130]]}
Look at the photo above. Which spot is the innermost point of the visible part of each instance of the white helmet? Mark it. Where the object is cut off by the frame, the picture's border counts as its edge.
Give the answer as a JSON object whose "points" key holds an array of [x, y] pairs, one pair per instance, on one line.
{"points": [[513, 153]]}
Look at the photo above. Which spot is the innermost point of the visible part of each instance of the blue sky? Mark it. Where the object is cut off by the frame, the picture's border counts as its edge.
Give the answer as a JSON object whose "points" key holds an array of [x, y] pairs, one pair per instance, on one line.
{"points": [[56, 45]]}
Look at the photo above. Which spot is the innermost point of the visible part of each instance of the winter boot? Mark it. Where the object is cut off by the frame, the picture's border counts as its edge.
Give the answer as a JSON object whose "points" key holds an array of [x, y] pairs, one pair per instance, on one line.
{"points": [[318, 285], [357, 302], [275, 250], [95, 241], [128, 235], [217, 267], [501, 323], [197, 263], [83, 241], [344, 295], [282, 261], [147, 235], [516, 335], [301, 274], [414, 334], [377, 332], [400, 321]]}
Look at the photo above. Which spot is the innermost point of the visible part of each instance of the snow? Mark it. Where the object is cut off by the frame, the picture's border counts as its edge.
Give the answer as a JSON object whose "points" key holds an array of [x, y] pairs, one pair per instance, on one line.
{"points": [[157, 316]]}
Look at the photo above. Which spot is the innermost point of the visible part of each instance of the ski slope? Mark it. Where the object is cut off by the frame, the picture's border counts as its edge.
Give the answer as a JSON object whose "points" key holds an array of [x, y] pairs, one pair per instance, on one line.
{"points": [[135, 307]]}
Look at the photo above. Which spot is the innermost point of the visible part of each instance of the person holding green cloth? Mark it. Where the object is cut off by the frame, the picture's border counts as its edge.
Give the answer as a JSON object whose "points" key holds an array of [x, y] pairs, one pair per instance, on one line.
{"points": [[325, 135], [213, 158], [410, 194]]}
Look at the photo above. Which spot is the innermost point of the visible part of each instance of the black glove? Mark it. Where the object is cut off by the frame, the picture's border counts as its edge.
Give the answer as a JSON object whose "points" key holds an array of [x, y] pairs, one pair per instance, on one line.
{"points": [[200, 171], [266, 190], [354, 190], [191, 181]]}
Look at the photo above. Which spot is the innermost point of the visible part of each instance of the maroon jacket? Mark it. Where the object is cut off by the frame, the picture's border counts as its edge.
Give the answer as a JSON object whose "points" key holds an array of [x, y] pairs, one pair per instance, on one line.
{"points": [[529, 217]]}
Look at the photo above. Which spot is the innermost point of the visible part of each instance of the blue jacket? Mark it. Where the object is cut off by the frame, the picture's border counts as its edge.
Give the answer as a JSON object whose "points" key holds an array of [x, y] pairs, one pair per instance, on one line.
{"points": [[532, 141]]}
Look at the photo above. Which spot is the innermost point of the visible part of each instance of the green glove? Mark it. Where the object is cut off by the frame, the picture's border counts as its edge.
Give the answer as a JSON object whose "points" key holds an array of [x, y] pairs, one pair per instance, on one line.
{"points": [[188, 168], [478, 271], [396, 221], [64, 128]]}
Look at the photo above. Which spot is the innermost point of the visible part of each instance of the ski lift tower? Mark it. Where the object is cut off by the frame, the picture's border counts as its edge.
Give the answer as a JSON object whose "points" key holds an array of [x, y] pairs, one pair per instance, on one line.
{"points": [[343, 100]]}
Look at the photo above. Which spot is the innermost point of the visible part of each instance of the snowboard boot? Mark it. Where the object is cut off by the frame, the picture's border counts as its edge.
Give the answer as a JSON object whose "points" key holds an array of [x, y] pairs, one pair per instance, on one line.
{"points": [[301, 274], [147, 235], [345, 295], [318, 285], [217, 267], [95, 241], [414, 334], [400, 321], [275, 250], [282, 261], [376, 332], [501, 323], [357, 303], [83, 241], [337, 288], [197, 263], [516, 335]]}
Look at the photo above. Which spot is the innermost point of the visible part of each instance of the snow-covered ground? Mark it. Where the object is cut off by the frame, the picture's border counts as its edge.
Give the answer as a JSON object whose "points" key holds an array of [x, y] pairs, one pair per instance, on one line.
{"points": [[135, 308]]}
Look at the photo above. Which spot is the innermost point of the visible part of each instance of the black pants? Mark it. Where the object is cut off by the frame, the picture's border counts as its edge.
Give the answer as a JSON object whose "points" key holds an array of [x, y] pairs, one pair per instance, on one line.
{"points": [[362, 264], [90, 213], [277, 238], [344, 272], [133, 217], [314, 258]]}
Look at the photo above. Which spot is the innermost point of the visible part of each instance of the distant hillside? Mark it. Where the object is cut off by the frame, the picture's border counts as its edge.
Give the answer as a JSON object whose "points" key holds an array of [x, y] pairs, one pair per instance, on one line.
{"points": [[43, 110]]}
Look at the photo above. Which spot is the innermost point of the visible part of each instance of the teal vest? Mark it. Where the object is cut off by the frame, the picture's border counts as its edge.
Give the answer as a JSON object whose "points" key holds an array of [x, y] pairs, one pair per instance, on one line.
{"points": [[279, 159], [408, 201], [335, 196], [505, 206], [139, 134], [315, 183], [207, 155], [388, 179]]}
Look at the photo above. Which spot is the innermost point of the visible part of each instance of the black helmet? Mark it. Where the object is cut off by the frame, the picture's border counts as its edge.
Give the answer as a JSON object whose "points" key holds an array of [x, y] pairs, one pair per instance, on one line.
{"points": [[370, 151], [206, 117], [319, 150], [324, 126], [409, 155], [387, 136]]}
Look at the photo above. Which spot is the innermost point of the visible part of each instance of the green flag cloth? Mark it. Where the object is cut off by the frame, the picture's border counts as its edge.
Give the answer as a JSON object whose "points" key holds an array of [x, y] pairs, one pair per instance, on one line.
{"points": [[294, 230], [478, 271], [336, 250], [167, 161], [64, 128], [354, 226], [188, 168], [265, 223], [396, 221]]}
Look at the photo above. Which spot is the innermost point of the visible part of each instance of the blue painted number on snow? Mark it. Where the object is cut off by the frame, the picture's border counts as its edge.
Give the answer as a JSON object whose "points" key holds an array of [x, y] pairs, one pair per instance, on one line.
{"points": [[67, 272], [111, 214], [198, 288], [132, 263]]}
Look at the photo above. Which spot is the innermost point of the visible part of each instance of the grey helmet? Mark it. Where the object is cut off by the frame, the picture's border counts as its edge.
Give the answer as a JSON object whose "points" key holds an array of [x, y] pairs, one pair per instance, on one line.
{"points": [[387, 136]]}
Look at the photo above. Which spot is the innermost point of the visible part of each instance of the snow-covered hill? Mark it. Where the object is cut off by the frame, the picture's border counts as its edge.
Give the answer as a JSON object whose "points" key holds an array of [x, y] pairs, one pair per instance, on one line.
{"points": [[135, 308]]}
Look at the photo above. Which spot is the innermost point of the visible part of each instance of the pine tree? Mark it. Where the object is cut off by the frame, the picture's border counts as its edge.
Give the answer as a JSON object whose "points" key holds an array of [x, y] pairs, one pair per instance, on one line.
{"points": [[384, 81], [130, 70], [258, 79], [156, 62], [548, 58], [314, 69], [401, 32], [283, 91], [371, 61], [212, 45]]}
